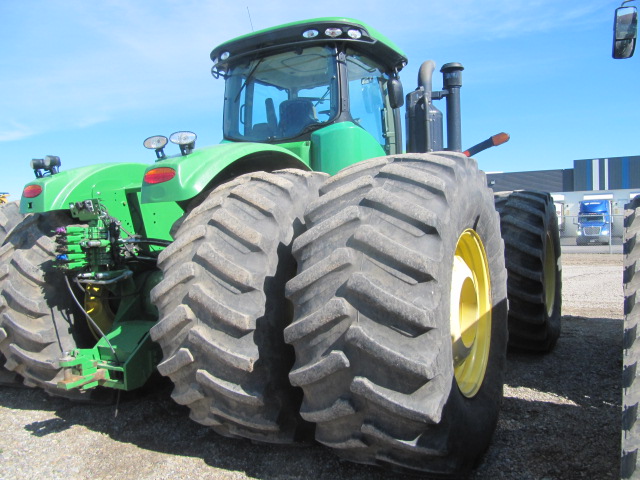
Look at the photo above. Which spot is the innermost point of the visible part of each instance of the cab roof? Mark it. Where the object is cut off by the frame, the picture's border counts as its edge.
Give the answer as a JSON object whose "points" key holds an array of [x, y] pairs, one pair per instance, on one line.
{"points": [[289, 35]]}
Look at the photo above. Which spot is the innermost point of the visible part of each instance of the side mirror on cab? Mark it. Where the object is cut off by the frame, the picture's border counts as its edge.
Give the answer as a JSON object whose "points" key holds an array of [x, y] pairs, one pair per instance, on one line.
{"points": [[625, 31], [396, 95]]}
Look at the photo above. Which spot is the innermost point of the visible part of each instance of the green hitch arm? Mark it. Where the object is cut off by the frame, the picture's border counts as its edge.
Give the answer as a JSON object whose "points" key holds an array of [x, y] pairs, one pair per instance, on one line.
{"points": [[128, 366]]}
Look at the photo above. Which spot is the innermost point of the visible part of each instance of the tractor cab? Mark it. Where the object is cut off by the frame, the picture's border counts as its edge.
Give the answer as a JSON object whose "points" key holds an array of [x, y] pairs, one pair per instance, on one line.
{"points": [[283, 85]]}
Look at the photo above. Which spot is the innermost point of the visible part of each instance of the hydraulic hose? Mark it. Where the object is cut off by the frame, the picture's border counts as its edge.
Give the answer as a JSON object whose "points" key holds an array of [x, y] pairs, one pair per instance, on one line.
{"points": [[93, 324]]}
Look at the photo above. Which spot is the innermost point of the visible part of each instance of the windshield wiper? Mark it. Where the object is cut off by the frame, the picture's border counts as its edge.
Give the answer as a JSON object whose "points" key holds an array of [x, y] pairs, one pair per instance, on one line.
{"points": [[249, 76]]}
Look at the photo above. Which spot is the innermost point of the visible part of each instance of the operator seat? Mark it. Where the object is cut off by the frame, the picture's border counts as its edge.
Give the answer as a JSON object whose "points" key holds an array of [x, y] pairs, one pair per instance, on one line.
{"points": [[295, 115], [261, 132]]}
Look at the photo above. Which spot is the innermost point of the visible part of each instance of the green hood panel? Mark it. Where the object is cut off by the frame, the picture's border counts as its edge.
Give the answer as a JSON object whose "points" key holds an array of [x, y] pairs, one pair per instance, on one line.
{"points": [[78, 184], [117, 186], [340, 145], [194, 172]]}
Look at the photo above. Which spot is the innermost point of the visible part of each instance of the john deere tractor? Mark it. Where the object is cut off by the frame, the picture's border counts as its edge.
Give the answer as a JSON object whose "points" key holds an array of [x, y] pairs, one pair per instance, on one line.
{"points": [[304, 279]]}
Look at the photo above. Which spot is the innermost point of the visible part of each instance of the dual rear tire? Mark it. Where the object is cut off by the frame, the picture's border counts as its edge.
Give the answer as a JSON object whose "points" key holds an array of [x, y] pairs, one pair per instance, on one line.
{"points": [[39, 321], [529, 227], [222, 306], [9, 217], [400, 323]]}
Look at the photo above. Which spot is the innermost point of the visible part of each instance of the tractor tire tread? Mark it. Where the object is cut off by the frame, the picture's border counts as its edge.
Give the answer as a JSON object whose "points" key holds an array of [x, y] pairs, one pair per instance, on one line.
{"points": [[222, 306], [371, 351], [37, 317], [629, 466], [527, 222]]}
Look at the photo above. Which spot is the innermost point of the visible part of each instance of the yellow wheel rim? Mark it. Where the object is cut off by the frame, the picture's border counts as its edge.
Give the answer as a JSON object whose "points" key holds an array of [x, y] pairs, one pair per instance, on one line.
{"points": [[98, 309], [470, 312], [549, 273]]}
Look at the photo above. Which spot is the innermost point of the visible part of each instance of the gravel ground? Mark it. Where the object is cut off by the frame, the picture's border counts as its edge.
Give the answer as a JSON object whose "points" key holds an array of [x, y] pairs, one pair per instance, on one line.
{"points": [[560, 417]]}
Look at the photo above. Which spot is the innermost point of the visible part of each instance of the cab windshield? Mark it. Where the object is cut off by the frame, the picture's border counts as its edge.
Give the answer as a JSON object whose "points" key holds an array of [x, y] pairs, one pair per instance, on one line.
{"points": [[282, 96], [592, 218]]}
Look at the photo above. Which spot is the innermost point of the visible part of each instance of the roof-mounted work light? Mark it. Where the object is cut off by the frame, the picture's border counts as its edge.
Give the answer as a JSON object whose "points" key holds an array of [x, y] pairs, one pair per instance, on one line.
{"points": [[45, 166], [186, 140], [157, 143]]}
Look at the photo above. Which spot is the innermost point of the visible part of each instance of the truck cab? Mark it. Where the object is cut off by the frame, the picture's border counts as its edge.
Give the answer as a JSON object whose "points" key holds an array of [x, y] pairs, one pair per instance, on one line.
{"points": [[594, 222]]}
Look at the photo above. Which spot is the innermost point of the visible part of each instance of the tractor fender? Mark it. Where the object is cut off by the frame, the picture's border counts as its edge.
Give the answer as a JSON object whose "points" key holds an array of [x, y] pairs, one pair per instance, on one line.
{"points": [[205, 167], [105, 181]]}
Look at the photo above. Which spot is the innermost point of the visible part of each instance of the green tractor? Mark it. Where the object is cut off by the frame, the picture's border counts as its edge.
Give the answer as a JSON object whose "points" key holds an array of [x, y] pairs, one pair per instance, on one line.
{"points": [[304, 279]]}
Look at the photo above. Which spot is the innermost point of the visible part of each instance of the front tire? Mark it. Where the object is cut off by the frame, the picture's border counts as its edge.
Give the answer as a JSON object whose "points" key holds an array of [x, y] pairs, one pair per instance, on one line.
{"points": [[223, 310], [529, 227], [400, 313]]}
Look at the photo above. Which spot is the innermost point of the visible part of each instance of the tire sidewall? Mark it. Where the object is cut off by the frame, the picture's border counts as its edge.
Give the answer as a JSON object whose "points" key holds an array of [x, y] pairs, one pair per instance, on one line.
{"points": [[551, 227], [472, 420]]}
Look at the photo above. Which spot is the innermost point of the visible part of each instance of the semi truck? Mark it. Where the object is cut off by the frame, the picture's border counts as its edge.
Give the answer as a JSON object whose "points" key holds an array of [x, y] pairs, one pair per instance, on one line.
{"points": [[595, 222]]}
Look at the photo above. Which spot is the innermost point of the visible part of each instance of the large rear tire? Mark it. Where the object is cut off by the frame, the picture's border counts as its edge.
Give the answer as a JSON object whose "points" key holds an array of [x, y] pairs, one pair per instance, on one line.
{"points": [[631, 344], [10, 216], [223, 310], [37, 314], [400, 313], [529, 227]]}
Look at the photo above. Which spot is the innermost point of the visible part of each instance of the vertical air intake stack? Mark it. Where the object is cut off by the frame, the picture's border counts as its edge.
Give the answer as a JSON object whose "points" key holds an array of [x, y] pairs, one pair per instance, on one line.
{"points": [[424, 120], [452, 81]]}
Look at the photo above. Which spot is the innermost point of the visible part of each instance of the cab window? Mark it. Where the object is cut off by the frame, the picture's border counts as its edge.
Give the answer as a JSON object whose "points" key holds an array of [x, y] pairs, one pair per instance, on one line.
{"points": [[369, 100]]}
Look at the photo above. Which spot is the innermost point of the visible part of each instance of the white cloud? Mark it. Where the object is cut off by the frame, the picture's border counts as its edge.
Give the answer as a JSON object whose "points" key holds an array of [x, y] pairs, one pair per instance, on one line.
{"points": [[14, 131], [91, 120]]}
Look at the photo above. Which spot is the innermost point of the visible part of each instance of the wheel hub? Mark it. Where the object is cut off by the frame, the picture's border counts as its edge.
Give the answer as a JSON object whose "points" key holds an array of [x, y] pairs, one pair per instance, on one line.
{"points": [[549, 273], [470, 312]]}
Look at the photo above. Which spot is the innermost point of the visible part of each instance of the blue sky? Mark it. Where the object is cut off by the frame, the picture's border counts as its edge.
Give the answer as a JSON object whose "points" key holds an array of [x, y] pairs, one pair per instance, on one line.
{"points": [[89, 81]]}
